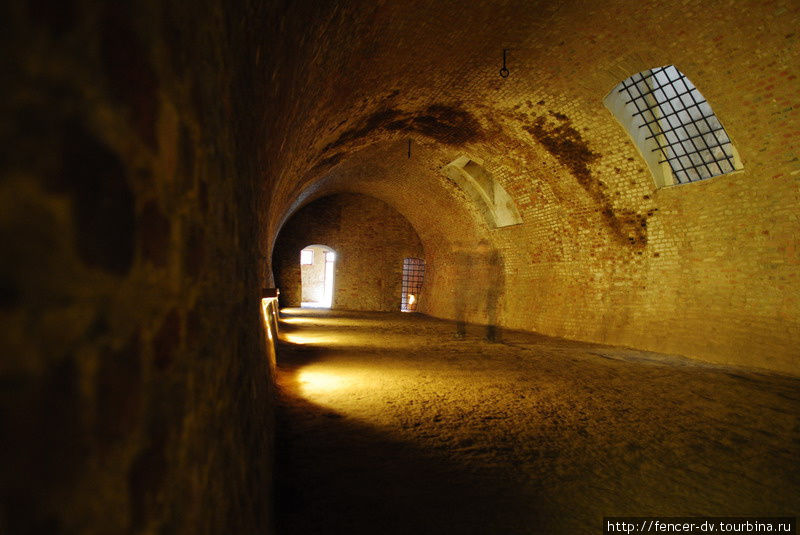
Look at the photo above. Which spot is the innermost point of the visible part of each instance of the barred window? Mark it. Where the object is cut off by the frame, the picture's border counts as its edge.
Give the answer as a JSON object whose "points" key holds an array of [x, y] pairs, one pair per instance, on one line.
{"points": [[673, 126], [413, 275]]}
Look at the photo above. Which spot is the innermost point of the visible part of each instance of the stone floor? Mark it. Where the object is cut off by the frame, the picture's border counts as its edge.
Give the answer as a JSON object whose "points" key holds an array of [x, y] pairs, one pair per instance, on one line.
{"points": [[388, 424]]}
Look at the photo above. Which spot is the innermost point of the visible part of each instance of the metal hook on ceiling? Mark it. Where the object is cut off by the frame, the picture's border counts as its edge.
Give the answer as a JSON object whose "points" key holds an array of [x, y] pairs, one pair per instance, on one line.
{"points": [[504, 71]]}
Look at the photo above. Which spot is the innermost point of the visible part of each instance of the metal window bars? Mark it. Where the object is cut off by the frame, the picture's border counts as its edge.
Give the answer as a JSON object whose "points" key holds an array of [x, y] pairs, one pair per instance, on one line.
{"points": [[413, 275], [680, 123]]}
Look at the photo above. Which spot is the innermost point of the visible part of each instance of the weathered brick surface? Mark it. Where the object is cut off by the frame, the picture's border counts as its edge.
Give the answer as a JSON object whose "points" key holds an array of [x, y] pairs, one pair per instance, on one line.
{"points": [[152, 151], [135, 387], [706, 270], [370, 239]]}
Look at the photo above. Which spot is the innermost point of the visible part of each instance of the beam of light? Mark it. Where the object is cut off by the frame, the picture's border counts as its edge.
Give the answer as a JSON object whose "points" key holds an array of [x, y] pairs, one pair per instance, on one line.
{"points": [[316, 304], [294, 338], [315, 382], [317, 320], [297, 321], [411, 299], [329, 274]]}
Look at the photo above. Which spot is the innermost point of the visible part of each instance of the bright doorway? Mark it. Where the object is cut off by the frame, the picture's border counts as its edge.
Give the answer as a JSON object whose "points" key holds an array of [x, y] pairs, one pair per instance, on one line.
{"points": [[317, 269]]}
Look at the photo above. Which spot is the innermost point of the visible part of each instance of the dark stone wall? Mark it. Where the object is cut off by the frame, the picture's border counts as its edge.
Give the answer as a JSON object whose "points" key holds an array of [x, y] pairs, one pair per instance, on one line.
{"points": [[135, 383]]}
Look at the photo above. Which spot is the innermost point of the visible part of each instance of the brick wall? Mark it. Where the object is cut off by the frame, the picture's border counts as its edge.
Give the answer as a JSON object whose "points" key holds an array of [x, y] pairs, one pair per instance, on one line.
{"points": [[707, 270], [152, 151], [370, 239], [135, 386]]}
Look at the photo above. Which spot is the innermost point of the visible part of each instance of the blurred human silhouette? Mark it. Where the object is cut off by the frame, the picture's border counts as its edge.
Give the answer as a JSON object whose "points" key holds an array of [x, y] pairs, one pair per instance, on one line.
{"points": [[494, 287], [464, 287], [479, 277]]}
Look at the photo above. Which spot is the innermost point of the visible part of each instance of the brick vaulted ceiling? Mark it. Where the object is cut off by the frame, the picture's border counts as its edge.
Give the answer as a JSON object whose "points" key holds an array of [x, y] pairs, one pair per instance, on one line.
{"points": [[392, 71]]}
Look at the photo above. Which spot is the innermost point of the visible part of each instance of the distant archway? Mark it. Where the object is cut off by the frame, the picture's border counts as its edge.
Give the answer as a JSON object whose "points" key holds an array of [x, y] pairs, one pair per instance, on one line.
{"points": [[317, 272]]}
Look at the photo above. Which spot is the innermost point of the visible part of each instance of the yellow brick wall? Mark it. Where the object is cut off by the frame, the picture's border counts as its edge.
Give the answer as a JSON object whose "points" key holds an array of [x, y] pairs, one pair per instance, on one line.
{"points": [[707, 270]]}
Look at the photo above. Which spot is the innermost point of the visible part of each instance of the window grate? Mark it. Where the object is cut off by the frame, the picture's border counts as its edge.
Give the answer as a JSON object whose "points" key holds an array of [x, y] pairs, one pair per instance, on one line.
{"points": [[413, 274], [680, 123]]}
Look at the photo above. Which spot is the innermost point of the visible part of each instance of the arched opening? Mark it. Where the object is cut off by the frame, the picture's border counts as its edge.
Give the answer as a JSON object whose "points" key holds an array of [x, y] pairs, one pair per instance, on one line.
{"points": [[317, 272], [371, 240]]}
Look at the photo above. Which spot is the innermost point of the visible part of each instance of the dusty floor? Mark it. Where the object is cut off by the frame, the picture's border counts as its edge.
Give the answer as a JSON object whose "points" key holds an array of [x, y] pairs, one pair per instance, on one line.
{"points": [[387, 424]]}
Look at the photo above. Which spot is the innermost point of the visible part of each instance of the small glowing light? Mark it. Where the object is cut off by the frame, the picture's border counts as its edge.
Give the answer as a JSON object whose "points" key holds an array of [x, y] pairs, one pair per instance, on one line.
{"points": [[411, 299], [266, 315]]}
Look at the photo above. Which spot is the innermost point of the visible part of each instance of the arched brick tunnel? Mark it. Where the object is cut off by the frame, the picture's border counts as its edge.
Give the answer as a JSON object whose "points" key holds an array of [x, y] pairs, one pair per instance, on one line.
{"points": [[165, 163]]}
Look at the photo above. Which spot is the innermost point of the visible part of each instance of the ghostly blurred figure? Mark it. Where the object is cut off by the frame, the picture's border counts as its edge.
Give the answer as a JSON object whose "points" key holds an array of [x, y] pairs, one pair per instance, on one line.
{"points": [[495, 282], [490, 276], [479, 276], [463, 288]]}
